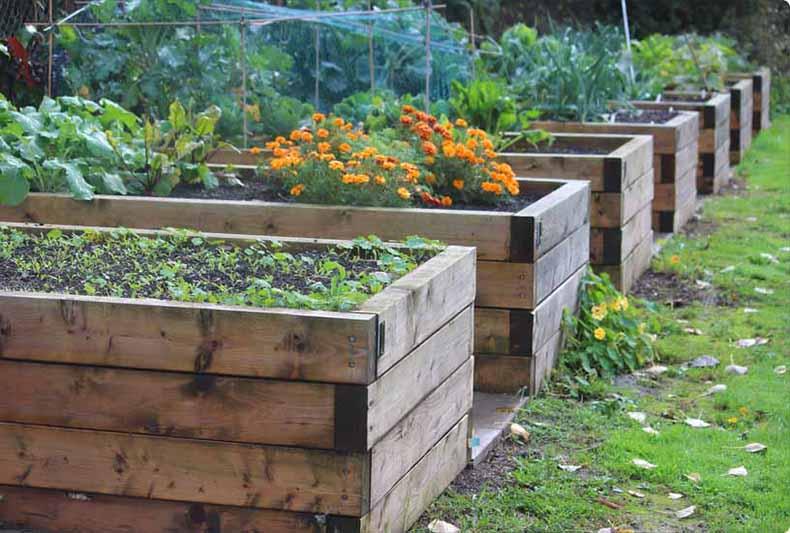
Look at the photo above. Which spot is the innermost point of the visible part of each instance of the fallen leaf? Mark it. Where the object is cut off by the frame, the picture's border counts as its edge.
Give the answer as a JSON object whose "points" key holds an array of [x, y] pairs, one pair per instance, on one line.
{"points": [[704, 361], [641, 463], [656, 370], [703, 284], [636, 494], [569, 468], [748, 343], [780, 370], [685, 513], [638, 416], [674, 496], [607, 503], [735, 369], [784, 249], [749, 310], [693, 331], [755, 447], [682, 321], [727, 269], [617, 490], [440, 526], [694, 477], [651, 431], [739, 471], [696, 423], [761, 290], [715, 389], [518, 431]]}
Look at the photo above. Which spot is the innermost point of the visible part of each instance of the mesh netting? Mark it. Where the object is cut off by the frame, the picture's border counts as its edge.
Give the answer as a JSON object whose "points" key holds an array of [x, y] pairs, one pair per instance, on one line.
{"points": [[14, 13]]}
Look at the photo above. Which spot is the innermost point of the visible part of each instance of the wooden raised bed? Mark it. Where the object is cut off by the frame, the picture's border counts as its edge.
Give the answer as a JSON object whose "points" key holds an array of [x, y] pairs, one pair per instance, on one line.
{"points": [[622, 189], [713, 169], [255, 418], [525, 259], [741, 106], [761, 86], [674, 162]]}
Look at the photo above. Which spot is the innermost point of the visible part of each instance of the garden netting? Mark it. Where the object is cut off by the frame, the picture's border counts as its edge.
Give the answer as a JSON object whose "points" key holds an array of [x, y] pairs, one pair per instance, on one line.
{"points": [[266, 66]]}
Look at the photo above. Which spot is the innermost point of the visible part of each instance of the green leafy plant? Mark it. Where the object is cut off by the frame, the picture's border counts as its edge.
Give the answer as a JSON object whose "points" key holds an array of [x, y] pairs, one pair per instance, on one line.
{"points": [[607, 336], [486, 103]]}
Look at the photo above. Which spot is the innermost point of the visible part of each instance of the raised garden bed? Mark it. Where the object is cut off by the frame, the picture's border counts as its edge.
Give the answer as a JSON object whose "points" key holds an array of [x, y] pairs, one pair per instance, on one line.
{"points": [[620, 170], [741, 108], [761, 85], [524, 258], [713, 169], [165, 414], [675, 138]]}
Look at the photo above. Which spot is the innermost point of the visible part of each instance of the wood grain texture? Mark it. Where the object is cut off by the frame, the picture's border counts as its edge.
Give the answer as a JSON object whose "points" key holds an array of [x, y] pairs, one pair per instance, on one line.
{"points": [[624, 275], [713, 170], [183, 469], [613, 210], [403, 446], [75, 512], [214, 339], [167, 403], [612, 246], [670, 167], [670, 196]]}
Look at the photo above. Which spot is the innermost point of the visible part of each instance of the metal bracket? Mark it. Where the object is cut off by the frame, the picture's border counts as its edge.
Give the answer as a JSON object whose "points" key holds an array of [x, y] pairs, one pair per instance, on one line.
{"points": [[380, 340]]}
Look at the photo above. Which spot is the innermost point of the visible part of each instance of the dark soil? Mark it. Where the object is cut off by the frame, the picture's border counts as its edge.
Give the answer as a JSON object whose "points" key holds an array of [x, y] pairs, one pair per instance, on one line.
{"points": [[670, 289], [562, 149], [645, 116], [261, 191], [494, 472], [685, 97]]}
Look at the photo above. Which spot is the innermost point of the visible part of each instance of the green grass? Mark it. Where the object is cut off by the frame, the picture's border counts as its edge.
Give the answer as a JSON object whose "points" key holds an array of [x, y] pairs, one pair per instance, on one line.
{"points": [[755, 407]]}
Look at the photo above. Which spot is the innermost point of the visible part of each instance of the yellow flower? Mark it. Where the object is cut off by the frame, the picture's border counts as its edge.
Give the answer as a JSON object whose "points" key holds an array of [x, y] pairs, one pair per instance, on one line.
{"points": [[307, 136], [255, 150], [380, 180], [461, 123], [624, 303], [324, 147], [675, 260], [296, 190], [600, 333], [404, 193], [732, 420], [743, 410], [642, 327], [318, 117], [598, 312], [336, 165], [615, 305], [448, 149]]}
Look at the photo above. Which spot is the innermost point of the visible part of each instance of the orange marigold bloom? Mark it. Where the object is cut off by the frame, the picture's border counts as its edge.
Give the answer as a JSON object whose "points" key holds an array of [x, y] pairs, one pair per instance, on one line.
{"points": [[271, 145], [318, 117], [338, 122], [408, 109], [279, 152], [513, 188], [352, 163], [430, 160], [353, 135], [430, 179], [388, 165], [429, 148], [404, 193], [406, 120], [461, 123], [255, 150], [471, 144], [422, 117], [490, 154], [347, 126], [279, 139], [323, 133], [324, 147], [336, 165], [487, 144], [345, 148], [296, 190], [295, 135], [458, 184], [327, 157], [490, 186], [448, 149], [380, 180], [447, 201], [307, 136]]}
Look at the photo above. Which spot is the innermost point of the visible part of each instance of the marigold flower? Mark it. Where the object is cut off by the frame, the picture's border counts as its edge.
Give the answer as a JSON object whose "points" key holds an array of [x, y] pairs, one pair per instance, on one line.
{"points": [[295, 135], [407, 109], [323, 133], [471, 144], [336, 165], [429, 148], [598, 312], [448, 149], [318, 117], [347, 126], [307, 136], [430, 179], [406, 120], [614, 305], [338, 122], [430, 160], [447, 201], [675, 260], [324, 147], [296, 190], [490, 154], [490, 186], [458, 184], [461, 123], [513, 188], [599, 333], [404, 193], [255, 150], [381, 180], [388, 165], [345, 148], [279, 152]]}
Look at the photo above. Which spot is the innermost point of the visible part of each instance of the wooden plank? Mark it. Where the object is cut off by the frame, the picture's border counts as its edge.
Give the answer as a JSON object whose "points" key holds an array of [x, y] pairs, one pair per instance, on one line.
{"points": [[714, 170], [670, 167], [713, 138], [404, 504], [415, 306], [521, 332], [489, 231], [415, 435], [183, 469], [524, 285], [416, 376], [612, 246], [612, 210], [669, 196], [62, 511], [624, 275], [549, 221], [544, 362], [180, 336], [165, 403]]}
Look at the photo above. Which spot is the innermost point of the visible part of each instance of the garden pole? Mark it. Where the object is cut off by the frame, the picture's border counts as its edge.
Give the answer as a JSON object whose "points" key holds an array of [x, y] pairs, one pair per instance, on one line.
{"points": [[317, 56], [472, 37], [428, 8], [242, 28], [51, 41], [371, 65], [628, 40]]}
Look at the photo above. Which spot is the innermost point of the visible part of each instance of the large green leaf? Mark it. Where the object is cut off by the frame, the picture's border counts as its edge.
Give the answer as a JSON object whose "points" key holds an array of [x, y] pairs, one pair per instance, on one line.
{"points": [[14, 186], [79, 188], [115, 113], [177, 116]]}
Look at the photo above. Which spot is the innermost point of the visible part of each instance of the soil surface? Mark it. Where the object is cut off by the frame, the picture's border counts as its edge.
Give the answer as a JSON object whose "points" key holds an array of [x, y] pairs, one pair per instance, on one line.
{"points": [[685, 97], [261, 191], [645, 116], [672, 290], [562, 149]]}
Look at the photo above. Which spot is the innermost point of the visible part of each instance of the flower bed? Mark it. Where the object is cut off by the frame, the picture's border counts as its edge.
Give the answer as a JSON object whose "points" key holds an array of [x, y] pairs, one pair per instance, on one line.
{"points": [[741, 95], [713, 169], [153, 405], [761, 85], [620, 169], [524, 257], [674, 160]]}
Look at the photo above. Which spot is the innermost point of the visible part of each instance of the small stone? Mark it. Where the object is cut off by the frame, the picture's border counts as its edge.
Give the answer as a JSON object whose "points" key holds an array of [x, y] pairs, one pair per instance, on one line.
{"points": [[704, 361]]}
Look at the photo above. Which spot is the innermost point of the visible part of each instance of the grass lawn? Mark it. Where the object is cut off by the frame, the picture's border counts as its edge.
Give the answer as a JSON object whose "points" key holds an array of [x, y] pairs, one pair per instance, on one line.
{"points": [[741, 247]]}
